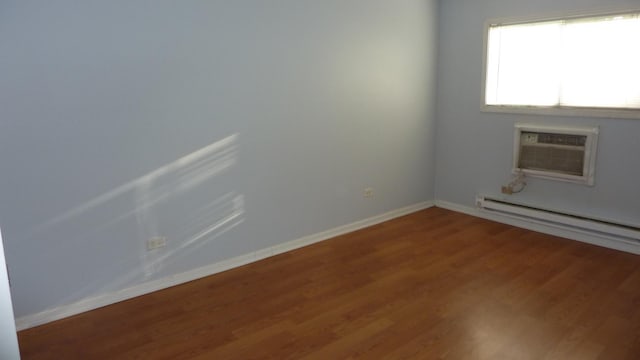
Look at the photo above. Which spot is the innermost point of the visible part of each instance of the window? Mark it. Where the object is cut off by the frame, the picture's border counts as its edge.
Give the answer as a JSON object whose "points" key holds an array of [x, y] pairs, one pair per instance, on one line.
{"points": [[587, 63]]}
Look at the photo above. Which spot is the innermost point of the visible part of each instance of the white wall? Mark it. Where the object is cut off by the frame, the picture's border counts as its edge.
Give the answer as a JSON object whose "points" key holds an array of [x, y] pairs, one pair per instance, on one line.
{"points": [[8, 339], [226, 126], [474, 149]]}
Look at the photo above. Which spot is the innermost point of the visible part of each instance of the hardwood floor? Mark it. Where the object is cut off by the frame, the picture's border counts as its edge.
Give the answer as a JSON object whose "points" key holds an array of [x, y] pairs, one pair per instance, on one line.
{"points": [[431, 285]]}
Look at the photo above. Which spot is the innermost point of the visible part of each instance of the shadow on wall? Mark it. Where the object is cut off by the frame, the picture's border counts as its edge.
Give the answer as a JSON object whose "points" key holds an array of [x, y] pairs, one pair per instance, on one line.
{"points": [[181, 201]]}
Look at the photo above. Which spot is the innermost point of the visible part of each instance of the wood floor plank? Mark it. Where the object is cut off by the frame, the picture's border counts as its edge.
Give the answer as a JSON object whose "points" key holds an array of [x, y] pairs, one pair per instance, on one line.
{"points": [[433, 284]]}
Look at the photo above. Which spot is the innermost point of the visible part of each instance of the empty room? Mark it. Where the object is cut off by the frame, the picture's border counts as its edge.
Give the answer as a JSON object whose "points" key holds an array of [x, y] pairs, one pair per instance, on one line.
{"points": [[327, 179]]}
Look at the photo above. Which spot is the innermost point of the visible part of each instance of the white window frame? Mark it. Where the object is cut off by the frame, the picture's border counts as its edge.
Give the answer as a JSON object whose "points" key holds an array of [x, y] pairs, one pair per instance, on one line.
{"points": [[552, 110]]}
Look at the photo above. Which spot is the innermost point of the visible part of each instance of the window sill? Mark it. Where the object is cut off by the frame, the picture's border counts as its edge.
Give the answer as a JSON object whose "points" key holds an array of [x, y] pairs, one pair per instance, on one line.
{"points": [[564, 111]]}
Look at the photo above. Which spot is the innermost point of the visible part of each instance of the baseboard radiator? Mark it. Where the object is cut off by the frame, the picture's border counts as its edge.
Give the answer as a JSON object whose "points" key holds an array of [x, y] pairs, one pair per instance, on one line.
{"points": [[583, 224]]}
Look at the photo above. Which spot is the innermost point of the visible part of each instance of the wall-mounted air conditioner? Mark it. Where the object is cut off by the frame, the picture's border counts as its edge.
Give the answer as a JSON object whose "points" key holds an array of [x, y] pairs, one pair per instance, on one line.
{"points": [[559, 153]]}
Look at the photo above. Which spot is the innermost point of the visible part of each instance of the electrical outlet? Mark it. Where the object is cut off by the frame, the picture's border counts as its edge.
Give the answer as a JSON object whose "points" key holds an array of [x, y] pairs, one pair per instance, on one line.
{"points": [[368, 192], [156, 242]]}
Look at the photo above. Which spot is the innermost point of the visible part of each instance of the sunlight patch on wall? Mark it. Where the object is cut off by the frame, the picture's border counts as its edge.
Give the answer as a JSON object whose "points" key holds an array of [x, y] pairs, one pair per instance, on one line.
{"points": [[187, 202], [186, 172]]}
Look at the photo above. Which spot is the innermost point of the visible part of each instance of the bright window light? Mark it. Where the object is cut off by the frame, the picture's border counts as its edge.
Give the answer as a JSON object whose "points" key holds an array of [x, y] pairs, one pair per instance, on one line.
{"points": [[572, 63]]}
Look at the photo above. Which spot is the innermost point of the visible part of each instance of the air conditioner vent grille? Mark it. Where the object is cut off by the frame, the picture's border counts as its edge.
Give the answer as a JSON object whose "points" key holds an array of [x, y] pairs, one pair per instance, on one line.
{"points": [[565, 161], [556, 139]]}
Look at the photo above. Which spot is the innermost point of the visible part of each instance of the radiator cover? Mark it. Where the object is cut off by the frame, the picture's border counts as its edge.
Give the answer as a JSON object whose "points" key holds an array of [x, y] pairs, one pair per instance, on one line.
{"points": [[573, 222]]}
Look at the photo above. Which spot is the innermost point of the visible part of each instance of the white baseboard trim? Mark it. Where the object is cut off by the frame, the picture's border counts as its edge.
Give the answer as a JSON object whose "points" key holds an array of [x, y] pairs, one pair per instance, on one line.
{"points": [[92, 303], [556, 230]]}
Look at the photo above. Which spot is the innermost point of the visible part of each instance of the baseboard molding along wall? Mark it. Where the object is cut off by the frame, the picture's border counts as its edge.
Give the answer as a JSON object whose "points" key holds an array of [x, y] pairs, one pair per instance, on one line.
{"points": [[92, 303], [573, 234]]}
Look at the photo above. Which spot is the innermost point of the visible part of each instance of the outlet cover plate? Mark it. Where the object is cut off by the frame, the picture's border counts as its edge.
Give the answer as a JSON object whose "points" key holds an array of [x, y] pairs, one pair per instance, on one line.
{"points": [[156, 242]]}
